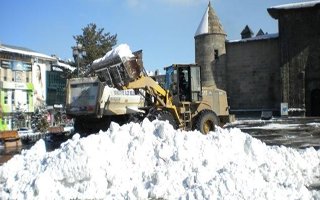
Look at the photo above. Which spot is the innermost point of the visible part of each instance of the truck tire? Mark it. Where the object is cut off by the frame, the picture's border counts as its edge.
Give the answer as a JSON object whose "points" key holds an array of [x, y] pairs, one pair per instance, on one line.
{"points": [[206, 121], [163, 115], [87, 126], [78, 126]]}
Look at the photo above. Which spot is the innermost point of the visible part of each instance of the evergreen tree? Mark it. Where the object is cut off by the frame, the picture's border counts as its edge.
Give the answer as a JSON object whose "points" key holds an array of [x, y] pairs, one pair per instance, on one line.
{"points": [[39, 120], [95, 43]]}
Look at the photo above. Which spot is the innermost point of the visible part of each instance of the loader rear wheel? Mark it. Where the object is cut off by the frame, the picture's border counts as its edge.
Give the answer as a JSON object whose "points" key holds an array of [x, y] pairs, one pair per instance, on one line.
{"points": [[206, 121], [163, 115]]}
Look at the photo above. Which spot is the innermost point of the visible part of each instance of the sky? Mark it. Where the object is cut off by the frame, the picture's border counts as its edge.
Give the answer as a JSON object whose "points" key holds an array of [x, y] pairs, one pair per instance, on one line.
{"points": [[163, 29]]}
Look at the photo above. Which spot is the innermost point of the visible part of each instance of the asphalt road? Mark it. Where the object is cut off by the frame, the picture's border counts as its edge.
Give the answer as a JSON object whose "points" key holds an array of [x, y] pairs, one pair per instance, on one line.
{"points": [[291, 132]]}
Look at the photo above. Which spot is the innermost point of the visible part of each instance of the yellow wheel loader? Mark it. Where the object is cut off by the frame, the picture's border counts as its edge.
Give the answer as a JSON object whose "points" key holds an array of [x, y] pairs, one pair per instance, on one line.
{"points": [[182, 100]]}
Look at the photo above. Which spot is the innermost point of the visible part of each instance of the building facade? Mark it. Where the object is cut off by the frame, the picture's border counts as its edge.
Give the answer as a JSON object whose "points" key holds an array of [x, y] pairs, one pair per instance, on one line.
{"points": [[263, 72], [299, 46], [23, 85]]}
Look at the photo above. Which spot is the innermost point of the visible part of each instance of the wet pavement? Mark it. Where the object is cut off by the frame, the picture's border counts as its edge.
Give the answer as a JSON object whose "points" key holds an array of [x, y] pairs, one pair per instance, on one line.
{"points": [[290, 132]]}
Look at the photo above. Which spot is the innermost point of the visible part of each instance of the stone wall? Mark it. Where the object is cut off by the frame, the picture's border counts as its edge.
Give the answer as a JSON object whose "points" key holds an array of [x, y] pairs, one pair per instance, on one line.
{"points": [[253, 75], [300, 59], [205, 47]]}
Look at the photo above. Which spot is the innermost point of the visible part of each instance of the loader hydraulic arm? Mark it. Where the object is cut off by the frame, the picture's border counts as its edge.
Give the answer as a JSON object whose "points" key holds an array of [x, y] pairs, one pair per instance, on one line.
{"points": [[128, 73], [162, 96], [152, 88]]}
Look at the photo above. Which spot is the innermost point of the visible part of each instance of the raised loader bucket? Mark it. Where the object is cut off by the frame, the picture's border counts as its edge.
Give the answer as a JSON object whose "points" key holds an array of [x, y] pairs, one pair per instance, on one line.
{"points": [[118, 72]]}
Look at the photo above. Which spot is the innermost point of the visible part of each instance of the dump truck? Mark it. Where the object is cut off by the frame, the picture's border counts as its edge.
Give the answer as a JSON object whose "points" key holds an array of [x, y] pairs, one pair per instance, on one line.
{"points": [[93, 104], [93, 101]]}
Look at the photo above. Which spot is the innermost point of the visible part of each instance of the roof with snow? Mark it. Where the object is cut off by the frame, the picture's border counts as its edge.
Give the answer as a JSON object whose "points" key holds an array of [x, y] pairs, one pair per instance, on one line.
{"points": [[64, 65], [246, 32], [258, 37], [260, 32], [210, 23], [274, 11], [24, 51]]}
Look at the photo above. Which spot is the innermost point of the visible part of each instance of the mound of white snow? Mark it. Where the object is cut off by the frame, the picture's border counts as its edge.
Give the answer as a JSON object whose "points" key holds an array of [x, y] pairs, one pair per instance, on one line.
{"points": [[152, 160], [122, 50]]}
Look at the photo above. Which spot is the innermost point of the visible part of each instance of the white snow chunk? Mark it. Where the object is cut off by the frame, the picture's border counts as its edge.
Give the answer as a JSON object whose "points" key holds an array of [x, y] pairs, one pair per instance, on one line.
{"points": [[151, 160]]}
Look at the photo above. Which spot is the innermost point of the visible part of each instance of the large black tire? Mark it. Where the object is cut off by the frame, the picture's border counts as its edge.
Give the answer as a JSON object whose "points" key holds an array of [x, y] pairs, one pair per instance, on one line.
{"points": [[78, 126], [163, 115], [206, 121], [86, 126], [136, 118]]}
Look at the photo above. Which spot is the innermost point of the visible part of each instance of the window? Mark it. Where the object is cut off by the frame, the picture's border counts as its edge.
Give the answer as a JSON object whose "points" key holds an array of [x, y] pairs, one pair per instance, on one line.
{"points": [[12, 98], [216, 54], [5, 64], [4, 78], [195, 84], [27, 98], [6, 98], [184, 84]]}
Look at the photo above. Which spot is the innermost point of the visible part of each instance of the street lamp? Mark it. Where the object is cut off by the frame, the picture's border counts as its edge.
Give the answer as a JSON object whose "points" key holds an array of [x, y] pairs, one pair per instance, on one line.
{"points": [[78, 52]]}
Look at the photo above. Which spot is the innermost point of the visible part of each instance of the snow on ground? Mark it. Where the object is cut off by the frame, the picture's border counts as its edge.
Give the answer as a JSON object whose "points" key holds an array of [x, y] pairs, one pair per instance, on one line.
{"points": [[254, 121], [273, 124], [314, 124], [152, 160]]}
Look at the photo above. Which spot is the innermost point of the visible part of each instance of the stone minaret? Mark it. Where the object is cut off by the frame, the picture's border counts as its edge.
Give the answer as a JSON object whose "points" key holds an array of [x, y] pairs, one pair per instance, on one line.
{"points": [[210, 48]]}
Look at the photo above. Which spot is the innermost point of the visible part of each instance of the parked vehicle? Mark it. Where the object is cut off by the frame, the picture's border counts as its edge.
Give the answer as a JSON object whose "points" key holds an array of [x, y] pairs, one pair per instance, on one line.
{"points": [[24, 132]]}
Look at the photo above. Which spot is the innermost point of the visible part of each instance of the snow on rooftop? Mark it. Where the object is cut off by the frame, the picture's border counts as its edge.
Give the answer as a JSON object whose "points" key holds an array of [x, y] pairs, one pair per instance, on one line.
{"points": [[66, 66], [203, 27], [25, 52], [151, 160], [297, 5], [260, 37]]}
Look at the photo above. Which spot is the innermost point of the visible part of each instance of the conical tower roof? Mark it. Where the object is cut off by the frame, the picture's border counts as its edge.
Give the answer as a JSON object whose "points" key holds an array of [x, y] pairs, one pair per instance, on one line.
{"points": [[246, 32], [210, 23]]}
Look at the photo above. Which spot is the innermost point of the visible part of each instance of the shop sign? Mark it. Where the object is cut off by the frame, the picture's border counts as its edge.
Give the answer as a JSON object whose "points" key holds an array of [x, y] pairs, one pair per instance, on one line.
{"points": [[14, 85]]}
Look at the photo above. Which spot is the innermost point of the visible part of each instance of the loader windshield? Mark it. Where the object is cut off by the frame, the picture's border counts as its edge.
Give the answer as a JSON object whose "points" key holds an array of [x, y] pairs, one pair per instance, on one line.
{"points": [[169, 72], [184, 81], [171, 80]]}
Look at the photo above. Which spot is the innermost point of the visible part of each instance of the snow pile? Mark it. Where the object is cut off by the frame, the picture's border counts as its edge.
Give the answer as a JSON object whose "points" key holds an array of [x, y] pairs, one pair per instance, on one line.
{"points": [[123, 51], [152, 160]]}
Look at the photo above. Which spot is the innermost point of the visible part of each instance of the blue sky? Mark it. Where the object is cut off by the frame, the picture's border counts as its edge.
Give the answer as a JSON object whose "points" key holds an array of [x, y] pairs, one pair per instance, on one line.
{"points": [[163, 29]]}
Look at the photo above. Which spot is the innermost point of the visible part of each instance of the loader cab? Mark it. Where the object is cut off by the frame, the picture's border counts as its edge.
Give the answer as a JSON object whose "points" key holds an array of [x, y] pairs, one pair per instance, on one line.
{"points": [[184, 82]]}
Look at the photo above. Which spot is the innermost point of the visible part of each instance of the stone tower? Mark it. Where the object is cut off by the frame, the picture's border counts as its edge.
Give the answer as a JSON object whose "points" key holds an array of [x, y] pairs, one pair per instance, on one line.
{"points": [[210, 49]]}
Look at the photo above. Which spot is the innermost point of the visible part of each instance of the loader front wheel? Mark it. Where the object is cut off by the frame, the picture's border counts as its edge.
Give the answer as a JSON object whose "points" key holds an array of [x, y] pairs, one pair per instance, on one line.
{"points": [[163, 115], [206, 121]]}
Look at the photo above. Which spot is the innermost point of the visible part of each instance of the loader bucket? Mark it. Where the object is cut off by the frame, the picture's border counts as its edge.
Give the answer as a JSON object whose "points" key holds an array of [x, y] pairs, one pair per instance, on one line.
{"points": [[118, 72]]}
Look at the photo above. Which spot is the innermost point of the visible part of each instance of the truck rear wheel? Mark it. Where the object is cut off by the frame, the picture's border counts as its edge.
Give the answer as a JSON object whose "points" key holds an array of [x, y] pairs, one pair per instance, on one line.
{"points": [[163, 115], [87, 126], [206, 121], [78, 126]]}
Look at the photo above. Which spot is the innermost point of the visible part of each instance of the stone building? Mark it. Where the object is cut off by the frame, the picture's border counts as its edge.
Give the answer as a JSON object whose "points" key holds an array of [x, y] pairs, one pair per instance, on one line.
{"points": [[263, 72]]}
